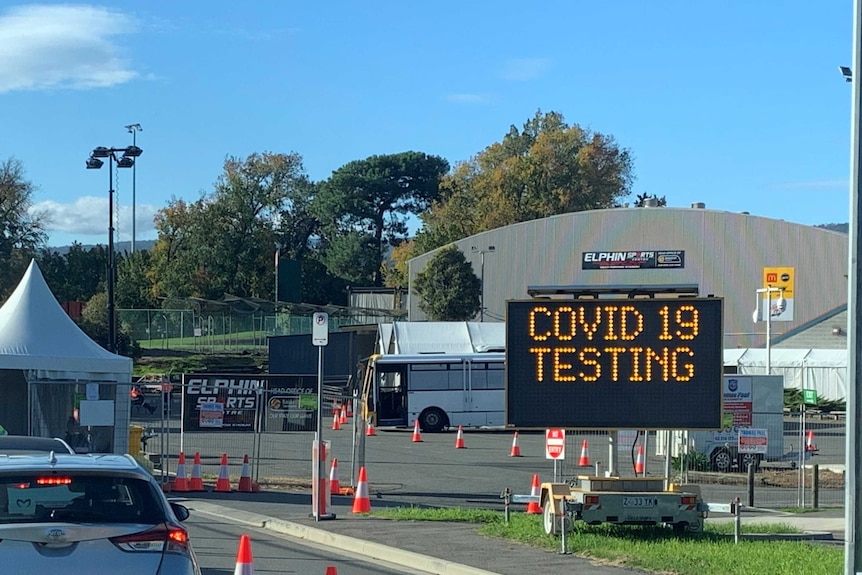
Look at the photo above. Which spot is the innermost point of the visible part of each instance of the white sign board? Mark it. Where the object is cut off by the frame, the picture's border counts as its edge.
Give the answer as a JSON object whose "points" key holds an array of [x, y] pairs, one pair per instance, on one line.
{"points": [[320, 329], [97, 412], [212, 415], [555, 444], [753, 440], [92, 391]]}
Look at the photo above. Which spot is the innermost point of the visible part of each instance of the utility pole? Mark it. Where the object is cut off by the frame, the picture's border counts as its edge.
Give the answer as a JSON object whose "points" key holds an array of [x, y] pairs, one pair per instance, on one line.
{"points": [[133, 129]]}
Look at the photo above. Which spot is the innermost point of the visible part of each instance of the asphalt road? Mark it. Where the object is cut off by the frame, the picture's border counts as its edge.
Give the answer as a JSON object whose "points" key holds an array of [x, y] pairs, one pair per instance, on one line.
{"points": [[433, 472], [216, 544]]}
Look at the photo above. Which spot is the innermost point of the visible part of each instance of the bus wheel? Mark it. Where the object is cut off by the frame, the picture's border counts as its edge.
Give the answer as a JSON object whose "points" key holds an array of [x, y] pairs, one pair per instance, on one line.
{"points": [[432, 420]]}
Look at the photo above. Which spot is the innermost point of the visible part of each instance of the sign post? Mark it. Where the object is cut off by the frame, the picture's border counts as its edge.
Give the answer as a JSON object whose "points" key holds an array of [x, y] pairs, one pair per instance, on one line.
{"points": [[320, 338], [555, 447]]}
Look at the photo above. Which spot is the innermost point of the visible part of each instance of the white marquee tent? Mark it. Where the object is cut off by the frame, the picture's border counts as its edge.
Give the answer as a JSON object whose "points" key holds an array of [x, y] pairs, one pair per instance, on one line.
{"points": [[41, 348], [405, 337], [824, 370]]}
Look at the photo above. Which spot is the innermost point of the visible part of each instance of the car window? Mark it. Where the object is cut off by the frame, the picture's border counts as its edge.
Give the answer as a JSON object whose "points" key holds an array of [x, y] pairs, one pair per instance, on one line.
{"points": [[78, 499]]}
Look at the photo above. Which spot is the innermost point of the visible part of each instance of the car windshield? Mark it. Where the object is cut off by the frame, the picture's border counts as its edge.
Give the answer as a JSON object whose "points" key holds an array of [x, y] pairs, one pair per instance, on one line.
{"points": [[51, 497]]}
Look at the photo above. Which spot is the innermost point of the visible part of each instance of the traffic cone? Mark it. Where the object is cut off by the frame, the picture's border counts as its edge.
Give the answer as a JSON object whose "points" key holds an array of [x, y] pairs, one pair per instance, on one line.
{"points": [[369, 431], [331, 570], [244, 562], [459, 441], [416, 436], [223, 481], [361, 502], [180, 481], [516, 449], [349, 408], [245, 484], [336, 422], [336, 408], [639, 462], [533, 506], [334, 483], [809, 441], [343, 418], [584, 461], [196, 483]]}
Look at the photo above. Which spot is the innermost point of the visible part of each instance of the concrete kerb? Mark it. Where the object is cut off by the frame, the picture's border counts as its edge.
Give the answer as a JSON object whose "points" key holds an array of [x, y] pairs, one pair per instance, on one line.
{"points": [[369, 549]]}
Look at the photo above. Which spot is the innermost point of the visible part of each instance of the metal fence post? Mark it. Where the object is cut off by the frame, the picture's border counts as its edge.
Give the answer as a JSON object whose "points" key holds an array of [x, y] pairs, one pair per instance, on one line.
{"points": [[751, 484], [815, 486]]}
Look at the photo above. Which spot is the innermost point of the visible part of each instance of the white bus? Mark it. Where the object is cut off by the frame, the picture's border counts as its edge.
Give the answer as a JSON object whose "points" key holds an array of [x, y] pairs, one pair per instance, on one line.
{"points": [[438, 390]]}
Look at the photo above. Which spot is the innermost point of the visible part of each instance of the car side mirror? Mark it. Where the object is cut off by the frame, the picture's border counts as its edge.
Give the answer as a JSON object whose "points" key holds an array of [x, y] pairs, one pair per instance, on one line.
{"points": [[180, 511]]}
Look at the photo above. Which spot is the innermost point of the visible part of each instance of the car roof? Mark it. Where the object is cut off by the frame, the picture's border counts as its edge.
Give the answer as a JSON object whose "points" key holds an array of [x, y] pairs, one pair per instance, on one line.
{"points": [[14, 443], [124, 464]]}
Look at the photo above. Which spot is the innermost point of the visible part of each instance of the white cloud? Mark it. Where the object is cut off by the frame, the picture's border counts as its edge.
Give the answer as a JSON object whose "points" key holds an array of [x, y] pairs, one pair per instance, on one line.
{"points": [[467, 98], [523, 69], [62, 46], [88, 216]]}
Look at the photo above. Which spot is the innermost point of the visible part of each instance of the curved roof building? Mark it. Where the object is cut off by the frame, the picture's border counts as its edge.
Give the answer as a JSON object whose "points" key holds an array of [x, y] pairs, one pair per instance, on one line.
{"points": [[720, 253]]}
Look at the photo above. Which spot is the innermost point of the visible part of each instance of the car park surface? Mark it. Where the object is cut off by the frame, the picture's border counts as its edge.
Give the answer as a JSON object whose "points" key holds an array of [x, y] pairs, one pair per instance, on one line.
{"points": [[79, 513]]}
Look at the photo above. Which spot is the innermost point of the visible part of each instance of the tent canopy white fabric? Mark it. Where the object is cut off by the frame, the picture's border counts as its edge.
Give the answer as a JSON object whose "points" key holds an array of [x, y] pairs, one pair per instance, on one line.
{"points": [[404, 337], [824, 370], [39, 337]]}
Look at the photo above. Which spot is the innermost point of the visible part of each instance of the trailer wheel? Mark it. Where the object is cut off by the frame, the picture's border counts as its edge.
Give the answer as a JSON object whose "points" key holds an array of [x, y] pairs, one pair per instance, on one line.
{"points": [[749, 458], [550, 519]]}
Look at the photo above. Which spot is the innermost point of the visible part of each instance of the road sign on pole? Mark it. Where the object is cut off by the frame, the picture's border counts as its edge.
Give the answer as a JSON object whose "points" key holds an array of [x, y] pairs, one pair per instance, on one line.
{"points": [[555, 444], [320, 329]]}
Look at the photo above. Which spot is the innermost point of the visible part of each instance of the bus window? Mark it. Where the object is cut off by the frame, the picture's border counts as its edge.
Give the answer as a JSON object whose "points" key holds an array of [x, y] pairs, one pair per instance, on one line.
{"points": [[428, 377]]}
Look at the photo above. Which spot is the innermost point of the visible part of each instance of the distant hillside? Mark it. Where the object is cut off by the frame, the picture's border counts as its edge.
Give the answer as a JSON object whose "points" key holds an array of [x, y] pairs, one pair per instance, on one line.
{"points": [[119, 246], [843, 228]]}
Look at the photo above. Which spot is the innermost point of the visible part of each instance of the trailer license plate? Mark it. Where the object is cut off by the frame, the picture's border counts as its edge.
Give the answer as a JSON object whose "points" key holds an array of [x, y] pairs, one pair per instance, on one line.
{"points": [[640, 502]]}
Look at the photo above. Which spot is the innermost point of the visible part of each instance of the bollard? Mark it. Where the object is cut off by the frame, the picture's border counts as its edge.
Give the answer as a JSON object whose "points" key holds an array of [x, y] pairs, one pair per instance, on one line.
{"points": [[751, 485], [563, 550], [737, 522], [506, 496], [815, 486]]}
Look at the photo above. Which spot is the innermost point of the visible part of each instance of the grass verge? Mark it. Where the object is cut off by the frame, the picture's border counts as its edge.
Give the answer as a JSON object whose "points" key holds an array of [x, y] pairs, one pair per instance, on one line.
{"points": [[712, 552]]}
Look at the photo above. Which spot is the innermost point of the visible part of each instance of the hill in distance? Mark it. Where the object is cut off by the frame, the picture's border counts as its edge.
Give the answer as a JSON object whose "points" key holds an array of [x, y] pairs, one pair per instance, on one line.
{"points": [[118, 246]]}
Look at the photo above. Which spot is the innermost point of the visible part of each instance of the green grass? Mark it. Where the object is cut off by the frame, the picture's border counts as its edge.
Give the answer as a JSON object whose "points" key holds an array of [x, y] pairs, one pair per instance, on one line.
{"points": [[653, 548]]}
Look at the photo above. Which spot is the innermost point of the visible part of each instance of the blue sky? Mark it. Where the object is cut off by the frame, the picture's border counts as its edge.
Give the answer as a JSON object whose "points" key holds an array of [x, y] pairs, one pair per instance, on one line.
{"points": [[737, 104]]}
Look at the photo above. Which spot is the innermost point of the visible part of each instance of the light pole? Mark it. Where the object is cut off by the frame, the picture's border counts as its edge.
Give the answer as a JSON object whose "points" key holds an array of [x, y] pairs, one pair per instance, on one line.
{"points": [[127, 160], [780, 305], [482, 253], [133, 129]]}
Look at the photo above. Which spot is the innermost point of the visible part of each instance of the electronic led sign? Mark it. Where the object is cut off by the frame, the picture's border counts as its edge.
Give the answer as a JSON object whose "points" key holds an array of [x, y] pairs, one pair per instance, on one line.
{"points": [[614, 363]]}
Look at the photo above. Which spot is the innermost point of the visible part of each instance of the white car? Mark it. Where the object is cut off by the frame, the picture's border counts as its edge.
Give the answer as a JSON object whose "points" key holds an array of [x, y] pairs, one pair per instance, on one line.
{"points": [[64, 513]]}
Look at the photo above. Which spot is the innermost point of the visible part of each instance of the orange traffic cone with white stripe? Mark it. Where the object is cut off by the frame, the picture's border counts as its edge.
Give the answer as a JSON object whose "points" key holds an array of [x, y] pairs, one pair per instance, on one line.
{"points": [[809, 441], [336, 422], [244, 561], [343, 417], [516, 449], [533, 506], [223, 482], [245, 484], [196, 483], [331, 570], [639, 462], [334, 482], [361, 501], [584, 460], [459, 441], [369, 431], [349, 408], [417, 437], [180, 481]]}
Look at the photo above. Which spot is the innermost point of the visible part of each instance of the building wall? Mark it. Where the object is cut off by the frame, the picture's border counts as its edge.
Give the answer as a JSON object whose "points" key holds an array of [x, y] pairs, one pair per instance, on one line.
{"points": [[725, 254]]}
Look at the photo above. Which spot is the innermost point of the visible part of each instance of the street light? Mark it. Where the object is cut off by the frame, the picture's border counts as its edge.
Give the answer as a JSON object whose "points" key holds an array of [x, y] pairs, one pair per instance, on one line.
{"points": [[846, 72], [779, 306], [127, 160], [475, 250], [133, 129]]}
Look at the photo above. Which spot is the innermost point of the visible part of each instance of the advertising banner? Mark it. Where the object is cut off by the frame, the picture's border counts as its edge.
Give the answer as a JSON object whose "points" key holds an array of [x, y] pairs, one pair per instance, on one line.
{"points": [[633, 260], [753, 441], [738, 400], [783, 278]]}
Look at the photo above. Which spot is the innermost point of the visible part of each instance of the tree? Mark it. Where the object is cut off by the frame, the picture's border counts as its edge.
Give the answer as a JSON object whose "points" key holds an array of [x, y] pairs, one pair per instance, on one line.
{"points": [[375, 196], [134, 290], [546, 168], [448, 288], [22, 231]]}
